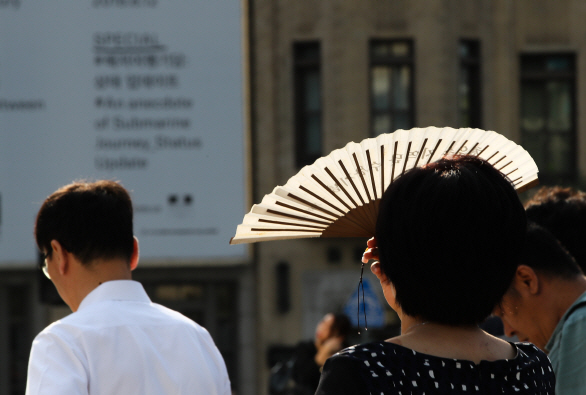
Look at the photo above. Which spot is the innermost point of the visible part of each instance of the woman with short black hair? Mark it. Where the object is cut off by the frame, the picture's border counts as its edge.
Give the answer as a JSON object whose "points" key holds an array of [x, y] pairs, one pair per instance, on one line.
{"points": [[448, 237]]}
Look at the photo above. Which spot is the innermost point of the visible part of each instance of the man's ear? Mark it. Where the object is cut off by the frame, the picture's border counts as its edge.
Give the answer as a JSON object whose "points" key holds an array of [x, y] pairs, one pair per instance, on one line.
{"points": [[526, 280], [60, 256], [135, 254]]}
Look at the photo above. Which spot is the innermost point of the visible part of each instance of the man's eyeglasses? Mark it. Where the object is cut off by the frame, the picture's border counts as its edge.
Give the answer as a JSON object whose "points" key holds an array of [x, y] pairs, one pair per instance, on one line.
{"points": [[43, 264]]}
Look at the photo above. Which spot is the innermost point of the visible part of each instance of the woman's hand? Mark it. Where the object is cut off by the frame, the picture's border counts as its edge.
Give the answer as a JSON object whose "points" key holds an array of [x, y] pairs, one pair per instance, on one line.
{"points": [[371, 251]]}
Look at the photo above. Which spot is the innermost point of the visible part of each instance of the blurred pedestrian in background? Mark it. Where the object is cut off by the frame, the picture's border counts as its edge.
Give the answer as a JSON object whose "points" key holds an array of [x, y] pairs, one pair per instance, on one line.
{"points": [[300, 375]]}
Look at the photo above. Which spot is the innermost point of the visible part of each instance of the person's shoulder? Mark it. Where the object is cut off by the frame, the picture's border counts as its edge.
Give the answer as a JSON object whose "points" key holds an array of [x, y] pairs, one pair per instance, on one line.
{"points": [[62, 333], [172, 315], [101, 316], [365, 351], [570, 333], [576, 314], [529, 355], [372, 347], [343, 373], [526, 349], [63, 326], [360, 367], [348, 359], [535, 363]]}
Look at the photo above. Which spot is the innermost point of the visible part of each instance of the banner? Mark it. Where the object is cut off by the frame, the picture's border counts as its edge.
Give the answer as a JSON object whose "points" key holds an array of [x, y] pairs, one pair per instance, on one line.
{"points": [[147, 92]]}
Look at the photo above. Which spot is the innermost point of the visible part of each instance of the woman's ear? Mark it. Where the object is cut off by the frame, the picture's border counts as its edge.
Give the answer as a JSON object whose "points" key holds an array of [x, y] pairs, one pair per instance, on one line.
{"points": [[388, 288], [378, 272]]}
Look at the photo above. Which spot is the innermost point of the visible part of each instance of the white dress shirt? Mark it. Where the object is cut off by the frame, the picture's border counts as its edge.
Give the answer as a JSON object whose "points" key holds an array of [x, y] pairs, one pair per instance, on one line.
{"points": [[119, 342]]}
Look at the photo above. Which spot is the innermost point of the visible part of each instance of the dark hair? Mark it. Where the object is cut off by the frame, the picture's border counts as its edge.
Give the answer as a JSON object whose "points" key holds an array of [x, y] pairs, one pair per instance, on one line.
{"points": [[90, 220], [544, 253], [562, 211], [449, 236], [341, 325]]}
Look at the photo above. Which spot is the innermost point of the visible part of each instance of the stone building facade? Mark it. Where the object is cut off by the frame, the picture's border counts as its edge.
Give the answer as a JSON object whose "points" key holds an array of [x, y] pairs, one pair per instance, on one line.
{"points": [[325, 73]]}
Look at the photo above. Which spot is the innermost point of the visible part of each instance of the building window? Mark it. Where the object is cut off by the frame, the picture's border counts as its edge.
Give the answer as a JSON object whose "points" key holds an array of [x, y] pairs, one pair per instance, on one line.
{"points": [[391, 85], [469, 103], [308, 103], [548, 126]]}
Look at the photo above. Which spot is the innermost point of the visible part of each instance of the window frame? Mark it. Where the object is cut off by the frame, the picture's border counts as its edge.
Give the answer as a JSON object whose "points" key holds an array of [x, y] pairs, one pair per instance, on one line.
{"points": [[391, 62], [544, 76], [472, 63], [302, 68]]}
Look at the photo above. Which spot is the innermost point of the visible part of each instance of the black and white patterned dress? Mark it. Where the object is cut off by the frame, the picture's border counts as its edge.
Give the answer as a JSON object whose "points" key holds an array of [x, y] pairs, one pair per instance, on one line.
{"points": [[383, 368]]}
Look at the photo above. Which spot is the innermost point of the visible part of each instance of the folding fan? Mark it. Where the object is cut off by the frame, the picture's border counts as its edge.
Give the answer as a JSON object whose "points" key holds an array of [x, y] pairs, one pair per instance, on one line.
{"points": [[338, 195]]}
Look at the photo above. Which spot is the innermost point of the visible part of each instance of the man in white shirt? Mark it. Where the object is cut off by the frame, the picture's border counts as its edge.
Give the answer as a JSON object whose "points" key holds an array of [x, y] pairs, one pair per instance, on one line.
{"points": [[116, 341]]}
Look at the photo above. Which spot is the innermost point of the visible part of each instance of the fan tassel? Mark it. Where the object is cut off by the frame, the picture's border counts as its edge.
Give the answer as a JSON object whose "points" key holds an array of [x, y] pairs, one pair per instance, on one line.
{"points": [[361, 284]]}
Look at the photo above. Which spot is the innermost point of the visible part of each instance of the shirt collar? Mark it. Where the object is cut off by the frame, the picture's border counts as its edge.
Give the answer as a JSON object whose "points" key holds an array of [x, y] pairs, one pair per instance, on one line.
{"points": [[127, 290], [553, 339]]}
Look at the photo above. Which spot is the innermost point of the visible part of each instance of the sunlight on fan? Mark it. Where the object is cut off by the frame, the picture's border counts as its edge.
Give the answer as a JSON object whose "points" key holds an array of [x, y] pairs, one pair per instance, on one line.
{"points": [[338, 195]]}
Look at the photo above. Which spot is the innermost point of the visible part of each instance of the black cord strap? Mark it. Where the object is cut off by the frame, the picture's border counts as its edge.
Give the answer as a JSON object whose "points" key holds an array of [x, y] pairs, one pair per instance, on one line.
{"points": [[361, 284]]}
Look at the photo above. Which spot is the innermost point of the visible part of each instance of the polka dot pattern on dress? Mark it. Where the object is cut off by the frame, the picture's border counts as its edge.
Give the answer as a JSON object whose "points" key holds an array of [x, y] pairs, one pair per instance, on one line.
{"points": [[390, 369]]}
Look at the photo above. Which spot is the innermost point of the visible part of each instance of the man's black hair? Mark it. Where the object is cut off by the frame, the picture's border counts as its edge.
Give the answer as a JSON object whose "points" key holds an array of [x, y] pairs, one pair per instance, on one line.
{"points": [[562, 211], [91, 220], [544, 253]]}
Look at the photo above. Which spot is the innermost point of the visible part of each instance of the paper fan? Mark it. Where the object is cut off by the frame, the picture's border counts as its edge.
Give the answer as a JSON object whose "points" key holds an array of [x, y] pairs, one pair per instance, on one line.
{"points": [[338, 195]]}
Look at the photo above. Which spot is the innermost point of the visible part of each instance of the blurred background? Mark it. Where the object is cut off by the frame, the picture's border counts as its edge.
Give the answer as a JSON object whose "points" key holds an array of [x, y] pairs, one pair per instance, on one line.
{"points": [[201, 108]]}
